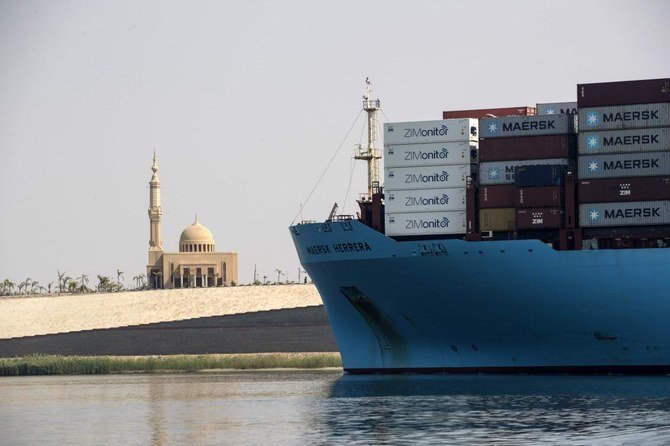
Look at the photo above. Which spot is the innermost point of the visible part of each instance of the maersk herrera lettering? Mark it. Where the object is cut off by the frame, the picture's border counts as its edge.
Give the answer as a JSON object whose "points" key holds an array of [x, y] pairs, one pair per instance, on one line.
{"points": [[532, 125], [338, 248]]}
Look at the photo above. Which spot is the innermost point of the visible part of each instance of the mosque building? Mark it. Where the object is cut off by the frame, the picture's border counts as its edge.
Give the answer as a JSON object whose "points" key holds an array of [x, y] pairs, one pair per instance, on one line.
{"points": [[197, 264]]}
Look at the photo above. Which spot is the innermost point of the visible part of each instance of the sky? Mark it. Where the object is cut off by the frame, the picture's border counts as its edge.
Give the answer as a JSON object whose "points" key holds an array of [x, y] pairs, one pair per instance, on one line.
{"points": [[246, 103]]}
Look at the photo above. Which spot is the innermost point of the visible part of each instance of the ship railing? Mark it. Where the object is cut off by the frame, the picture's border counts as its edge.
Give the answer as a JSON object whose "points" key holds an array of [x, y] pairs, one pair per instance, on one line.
{"points": [[342, 217], [376, 190]]}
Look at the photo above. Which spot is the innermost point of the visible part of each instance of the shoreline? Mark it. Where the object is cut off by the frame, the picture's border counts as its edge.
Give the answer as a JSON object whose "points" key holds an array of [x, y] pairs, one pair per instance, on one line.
{"points": [[39, 365]]}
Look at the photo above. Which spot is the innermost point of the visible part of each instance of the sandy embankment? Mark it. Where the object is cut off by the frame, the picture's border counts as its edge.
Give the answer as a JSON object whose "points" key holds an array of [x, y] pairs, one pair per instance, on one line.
{"points": [[28, 316]]}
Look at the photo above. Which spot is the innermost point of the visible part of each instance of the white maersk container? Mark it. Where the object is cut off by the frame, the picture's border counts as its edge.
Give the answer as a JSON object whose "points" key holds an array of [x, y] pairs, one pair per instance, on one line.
{"points": [[423, 223], [444, 153], [624, 141], [632, 213], [557, 108], [624, 117], [425, 200], [502, 172], [427, 177], [621, 165], [443, 130], [534, 125]]}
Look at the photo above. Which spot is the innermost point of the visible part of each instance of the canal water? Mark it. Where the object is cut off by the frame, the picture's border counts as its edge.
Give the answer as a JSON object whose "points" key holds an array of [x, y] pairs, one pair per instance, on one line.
{"points": [[327, 407]]}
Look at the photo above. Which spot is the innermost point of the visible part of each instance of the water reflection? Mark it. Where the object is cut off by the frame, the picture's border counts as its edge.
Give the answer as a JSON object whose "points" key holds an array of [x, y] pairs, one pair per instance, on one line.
{"points": [[328, 408], [470, 409]]}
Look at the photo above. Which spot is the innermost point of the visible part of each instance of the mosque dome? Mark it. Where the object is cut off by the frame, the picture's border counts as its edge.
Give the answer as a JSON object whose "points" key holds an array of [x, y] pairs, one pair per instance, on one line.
{"points": [[196, 238]]}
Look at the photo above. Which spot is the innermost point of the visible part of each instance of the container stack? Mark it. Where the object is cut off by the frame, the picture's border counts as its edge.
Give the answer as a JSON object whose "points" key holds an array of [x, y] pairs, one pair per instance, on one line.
{"points": [[540, 147], [426, 168], [557, 108], [478, 113], [624, 153]]}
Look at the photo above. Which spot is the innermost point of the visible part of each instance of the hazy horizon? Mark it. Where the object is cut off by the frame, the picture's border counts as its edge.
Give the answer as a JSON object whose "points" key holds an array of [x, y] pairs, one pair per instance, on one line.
{"points": [[245, 104]]}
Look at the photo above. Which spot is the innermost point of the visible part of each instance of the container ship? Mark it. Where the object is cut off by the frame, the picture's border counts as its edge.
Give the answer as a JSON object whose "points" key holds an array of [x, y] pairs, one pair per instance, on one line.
{"points": [[509, 240]]}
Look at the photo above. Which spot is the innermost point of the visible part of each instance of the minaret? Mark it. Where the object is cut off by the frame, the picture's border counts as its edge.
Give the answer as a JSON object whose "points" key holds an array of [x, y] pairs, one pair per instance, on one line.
{"points": [[155, 210]]}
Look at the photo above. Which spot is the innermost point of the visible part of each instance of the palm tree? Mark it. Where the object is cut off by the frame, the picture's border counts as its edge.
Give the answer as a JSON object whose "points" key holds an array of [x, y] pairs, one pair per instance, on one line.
{"points": [[104, 283], [119, 274], [23, 285], [34, 285], [142, 279], [83, 281], [49, 286], [66, 283], [61, 280], [8, 285]]}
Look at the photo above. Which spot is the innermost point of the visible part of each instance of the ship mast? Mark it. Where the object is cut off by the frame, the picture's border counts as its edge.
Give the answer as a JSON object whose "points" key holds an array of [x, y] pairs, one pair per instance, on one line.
{"points": [[370, 152]]}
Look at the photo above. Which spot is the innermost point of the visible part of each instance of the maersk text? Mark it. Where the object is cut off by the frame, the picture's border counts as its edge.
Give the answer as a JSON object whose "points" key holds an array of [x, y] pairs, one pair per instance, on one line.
{"points": [[633, 213], [630, 140], [533, 125], [645, 115], [631, 164]]}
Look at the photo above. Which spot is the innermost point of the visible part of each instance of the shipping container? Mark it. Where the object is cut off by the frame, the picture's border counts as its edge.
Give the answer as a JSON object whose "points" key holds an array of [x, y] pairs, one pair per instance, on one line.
{"points": [[538, 218], [527, 126], [430, 131], [538, 175], [527, 147], [621, 165], [623, 93], [501, 219], [489, 112], [425, 200], [557, 108], [538, 197], [502, 172], [497, 196], [625, 141], [633, 213], [624, 117], [445, 153], [609, 190], [424, 223], [427, 177]]}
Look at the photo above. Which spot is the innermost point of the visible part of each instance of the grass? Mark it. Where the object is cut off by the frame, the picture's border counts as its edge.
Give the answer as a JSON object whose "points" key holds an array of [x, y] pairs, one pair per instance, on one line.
{"points": [[85, 365]]}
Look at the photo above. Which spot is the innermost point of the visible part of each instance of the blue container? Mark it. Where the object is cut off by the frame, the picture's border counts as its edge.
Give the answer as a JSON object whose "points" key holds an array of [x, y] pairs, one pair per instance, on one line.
{"points": [[538, 175]]}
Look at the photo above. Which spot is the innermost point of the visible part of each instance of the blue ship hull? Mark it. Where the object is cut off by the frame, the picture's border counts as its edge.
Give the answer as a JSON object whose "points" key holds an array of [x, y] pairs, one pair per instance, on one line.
{"points": [[491, 306]]}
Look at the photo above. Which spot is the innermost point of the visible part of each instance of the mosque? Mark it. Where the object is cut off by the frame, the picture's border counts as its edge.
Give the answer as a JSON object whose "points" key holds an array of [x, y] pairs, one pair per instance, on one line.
{"points": [[197, 264]]}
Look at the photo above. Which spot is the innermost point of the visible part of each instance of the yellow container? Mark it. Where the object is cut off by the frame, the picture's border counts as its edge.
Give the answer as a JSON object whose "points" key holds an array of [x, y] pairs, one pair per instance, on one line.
{"points": [[499, 219]]}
